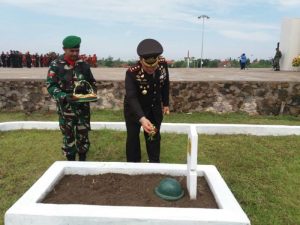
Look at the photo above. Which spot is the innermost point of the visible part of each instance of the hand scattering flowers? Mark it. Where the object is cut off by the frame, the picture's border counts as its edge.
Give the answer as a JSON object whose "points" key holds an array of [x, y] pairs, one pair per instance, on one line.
{"points": [[152, 133]]}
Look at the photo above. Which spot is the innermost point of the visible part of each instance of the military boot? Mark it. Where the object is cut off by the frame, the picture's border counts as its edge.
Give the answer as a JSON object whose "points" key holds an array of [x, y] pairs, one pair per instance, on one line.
{"points": [[82, 156], [71, 157]]}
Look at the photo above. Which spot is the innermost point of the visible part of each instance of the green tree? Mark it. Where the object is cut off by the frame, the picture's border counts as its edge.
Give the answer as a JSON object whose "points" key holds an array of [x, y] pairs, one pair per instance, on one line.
{"points": [[213, 63], [179, 64], [108, 62]]}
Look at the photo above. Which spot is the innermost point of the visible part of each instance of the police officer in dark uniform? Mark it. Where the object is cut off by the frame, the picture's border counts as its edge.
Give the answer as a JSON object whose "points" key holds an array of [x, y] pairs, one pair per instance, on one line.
{"points": [[146, 100]]}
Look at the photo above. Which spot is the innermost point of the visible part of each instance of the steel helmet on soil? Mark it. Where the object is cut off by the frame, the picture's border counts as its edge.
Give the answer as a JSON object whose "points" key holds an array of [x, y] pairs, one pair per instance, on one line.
{"points": [[169, 189]]}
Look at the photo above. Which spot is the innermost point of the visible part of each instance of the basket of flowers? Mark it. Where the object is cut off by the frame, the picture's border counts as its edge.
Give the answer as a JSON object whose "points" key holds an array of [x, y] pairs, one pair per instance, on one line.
{"points": [[83, 92]]}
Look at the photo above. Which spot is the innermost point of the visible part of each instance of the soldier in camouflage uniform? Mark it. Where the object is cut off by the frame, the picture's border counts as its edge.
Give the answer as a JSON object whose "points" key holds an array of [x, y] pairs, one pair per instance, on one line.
{"points": [[277, 57], [74, 117]]}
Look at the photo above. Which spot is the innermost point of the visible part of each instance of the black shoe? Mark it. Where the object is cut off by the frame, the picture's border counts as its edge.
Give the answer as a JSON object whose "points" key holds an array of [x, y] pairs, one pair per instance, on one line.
{"points": [[71, 157], [82, 156]]}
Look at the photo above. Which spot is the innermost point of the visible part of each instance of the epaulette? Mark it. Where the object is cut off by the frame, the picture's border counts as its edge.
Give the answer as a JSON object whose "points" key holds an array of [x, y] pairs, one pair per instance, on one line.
{"points": [[61, 61], [134, 68], [162, 59], [54, 62]]}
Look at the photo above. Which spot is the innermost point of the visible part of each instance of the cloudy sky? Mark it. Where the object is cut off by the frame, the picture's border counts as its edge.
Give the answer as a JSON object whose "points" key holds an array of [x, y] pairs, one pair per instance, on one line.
{"points": [[115, 27]]}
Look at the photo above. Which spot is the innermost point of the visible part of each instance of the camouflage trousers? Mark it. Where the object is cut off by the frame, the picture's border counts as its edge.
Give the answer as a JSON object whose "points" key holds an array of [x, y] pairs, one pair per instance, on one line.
{"points": [[276, 64], [75, 136]]}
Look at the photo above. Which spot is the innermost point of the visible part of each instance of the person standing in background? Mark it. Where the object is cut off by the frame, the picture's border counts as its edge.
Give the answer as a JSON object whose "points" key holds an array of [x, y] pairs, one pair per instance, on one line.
{"points": [[243, 61]]}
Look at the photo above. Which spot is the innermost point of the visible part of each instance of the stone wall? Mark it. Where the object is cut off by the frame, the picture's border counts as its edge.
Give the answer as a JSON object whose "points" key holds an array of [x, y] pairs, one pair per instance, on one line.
{"points": [[265, 98]]}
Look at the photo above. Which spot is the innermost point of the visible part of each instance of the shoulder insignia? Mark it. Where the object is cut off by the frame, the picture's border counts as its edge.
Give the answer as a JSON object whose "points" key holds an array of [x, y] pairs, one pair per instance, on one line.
{"points": [[51, 73], [134, 68], [60, 60], [54, 63]]}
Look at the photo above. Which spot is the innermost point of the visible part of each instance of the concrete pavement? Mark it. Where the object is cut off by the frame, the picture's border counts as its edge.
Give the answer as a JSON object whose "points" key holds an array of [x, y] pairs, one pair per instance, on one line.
{"points": [[178, 74]]}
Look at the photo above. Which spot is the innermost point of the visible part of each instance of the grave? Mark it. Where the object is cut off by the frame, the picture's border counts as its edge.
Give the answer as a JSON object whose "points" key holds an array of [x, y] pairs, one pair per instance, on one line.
{"points": [[30, 209]]}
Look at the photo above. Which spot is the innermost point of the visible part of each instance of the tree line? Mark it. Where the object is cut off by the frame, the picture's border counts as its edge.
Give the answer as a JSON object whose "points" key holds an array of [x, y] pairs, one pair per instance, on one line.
{"points": [[193, 63]]}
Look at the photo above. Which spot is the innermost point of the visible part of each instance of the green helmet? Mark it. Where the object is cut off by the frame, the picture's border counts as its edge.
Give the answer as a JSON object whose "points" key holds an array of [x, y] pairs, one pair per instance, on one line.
{"points": [[169, 189]]}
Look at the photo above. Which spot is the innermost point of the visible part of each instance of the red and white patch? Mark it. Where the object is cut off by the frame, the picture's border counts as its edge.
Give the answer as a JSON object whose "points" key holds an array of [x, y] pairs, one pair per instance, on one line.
{"points": [[51, 74]]}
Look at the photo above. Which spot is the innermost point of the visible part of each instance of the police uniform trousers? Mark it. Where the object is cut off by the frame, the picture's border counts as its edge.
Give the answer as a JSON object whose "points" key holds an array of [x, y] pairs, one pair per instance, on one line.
{"points": [[133, 147]]}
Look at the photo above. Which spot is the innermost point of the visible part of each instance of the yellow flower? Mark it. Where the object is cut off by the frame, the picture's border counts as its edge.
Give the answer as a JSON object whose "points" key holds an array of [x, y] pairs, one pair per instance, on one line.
{"points": [[152, 133], [296, 61]]}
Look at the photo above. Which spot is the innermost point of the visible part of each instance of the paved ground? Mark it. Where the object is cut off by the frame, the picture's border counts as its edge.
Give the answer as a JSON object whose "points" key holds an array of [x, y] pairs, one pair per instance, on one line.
{"points": [[181, 74]]}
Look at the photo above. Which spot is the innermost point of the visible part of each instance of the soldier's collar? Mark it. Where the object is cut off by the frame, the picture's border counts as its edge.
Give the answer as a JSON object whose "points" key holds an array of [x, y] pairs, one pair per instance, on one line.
{"points": [[150, 62], [79, 60], [69, 61], [63, 59]]}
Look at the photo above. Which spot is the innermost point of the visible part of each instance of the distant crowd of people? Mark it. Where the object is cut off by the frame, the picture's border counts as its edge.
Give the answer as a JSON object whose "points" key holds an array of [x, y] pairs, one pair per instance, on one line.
{"points": [[17, 59], [92, 60]]}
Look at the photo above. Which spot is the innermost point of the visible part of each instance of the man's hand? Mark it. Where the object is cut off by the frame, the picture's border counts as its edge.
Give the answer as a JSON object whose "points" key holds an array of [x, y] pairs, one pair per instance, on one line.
{"points": [[146, 124], [166, 110], [70, 98]]}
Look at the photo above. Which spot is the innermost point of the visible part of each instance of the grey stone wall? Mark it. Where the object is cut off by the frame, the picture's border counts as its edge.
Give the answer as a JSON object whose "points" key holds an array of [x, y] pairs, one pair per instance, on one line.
{"points": [[265, 98]]}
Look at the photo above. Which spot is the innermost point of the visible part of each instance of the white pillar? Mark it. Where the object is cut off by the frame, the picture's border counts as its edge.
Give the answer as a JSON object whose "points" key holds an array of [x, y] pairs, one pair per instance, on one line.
{"points": [[192, 155], [289, 43]]}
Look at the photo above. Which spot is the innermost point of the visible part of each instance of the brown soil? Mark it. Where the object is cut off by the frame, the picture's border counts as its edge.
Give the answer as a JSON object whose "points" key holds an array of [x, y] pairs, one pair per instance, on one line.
{"points": [[124, 190]]}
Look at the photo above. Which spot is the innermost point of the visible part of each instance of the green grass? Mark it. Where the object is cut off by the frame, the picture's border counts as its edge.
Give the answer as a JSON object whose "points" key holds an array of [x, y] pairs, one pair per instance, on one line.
{"points": [[110, 115], [262, 172]]}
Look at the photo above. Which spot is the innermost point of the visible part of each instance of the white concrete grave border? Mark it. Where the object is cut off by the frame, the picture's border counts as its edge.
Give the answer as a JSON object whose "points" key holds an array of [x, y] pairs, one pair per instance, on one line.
{"points": [[183, 128], [28, 210]]}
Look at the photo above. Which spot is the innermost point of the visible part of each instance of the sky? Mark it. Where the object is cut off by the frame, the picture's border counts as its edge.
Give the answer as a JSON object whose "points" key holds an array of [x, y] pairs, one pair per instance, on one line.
{"points": [[115, 27]]}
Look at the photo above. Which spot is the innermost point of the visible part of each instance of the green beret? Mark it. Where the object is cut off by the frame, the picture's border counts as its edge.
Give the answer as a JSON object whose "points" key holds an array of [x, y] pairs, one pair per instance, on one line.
{"points": [[71, 42]]}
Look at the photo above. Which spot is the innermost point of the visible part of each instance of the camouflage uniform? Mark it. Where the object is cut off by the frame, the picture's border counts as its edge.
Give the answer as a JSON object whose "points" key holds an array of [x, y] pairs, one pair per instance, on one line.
{"points": [[74, 118], [277, 57]]}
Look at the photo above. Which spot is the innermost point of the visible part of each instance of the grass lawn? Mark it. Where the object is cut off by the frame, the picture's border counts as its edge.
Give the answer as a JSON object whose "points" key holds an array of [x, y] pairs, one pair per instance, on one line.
{"points": [[262, 172], [115, 116]]}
